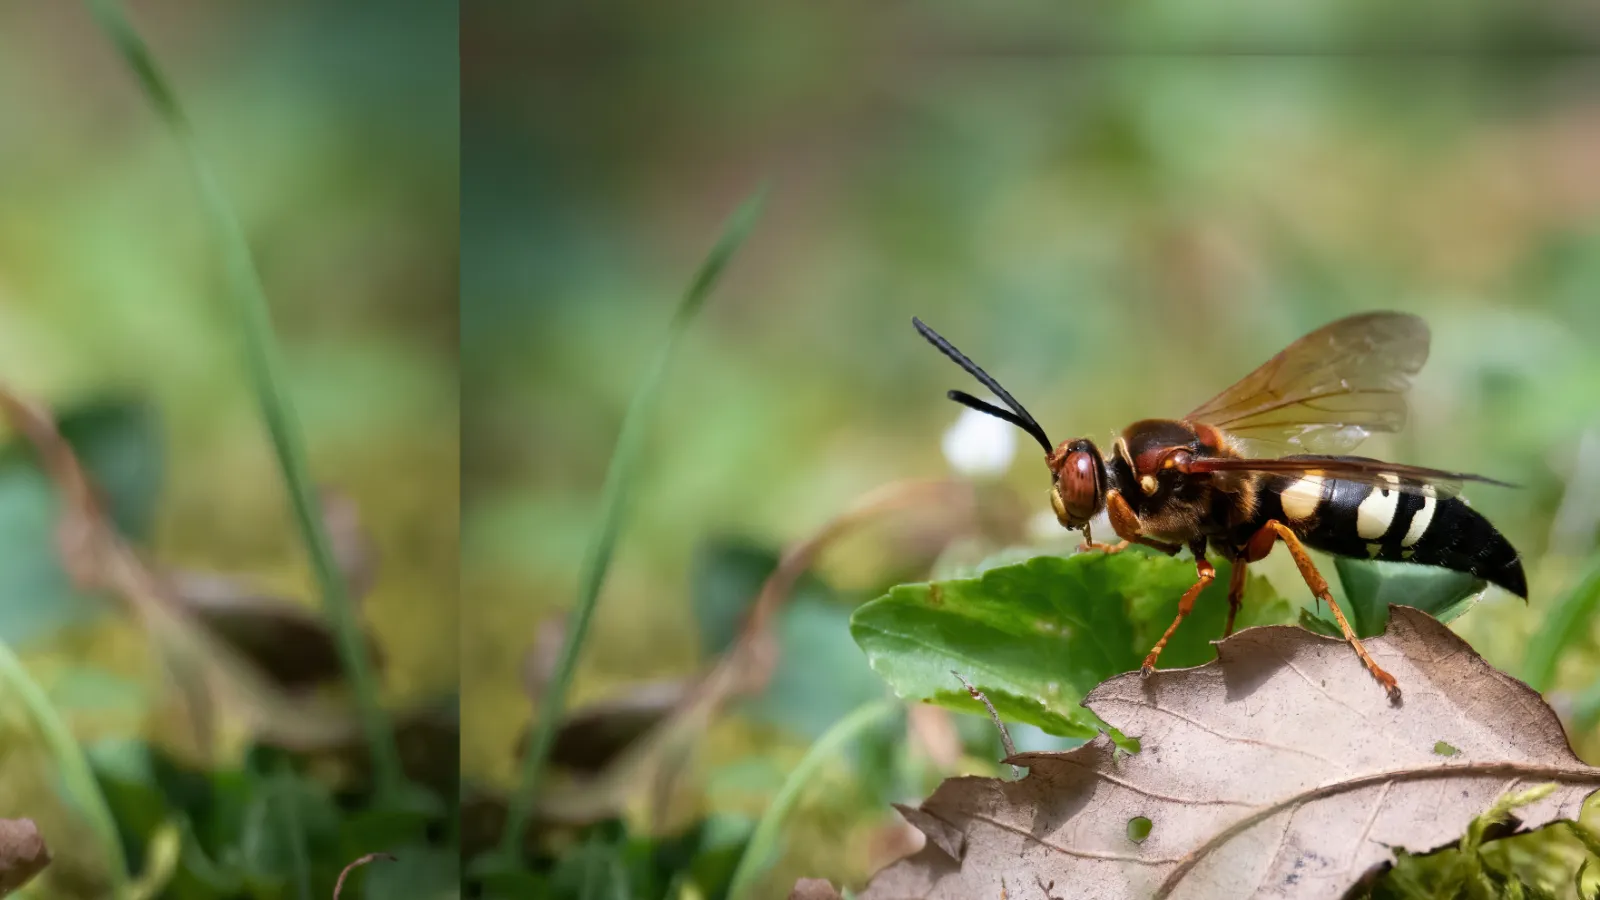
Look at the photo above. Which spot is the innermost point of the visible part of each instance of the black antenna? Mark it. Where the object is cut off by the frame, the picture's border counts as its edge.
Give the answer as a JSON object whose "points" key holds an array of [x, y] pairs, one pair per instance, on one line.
{"points": [[1020, 418]]}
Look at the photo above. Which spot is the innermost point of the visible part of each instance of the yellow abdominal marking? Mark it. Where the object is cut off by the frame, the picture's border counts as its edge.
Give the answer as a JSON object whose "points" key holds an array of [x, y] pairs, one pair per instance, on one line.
{"points": [[1421, 519], [1376, 512], [1301, 499]]}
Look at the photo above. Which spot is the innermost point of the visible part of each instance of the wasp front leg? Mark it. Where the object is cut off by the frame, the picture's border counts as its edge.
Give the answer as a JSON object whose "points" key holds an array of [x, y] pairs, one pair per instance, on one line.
{"points": [[1207, 573], [1126, 524]]}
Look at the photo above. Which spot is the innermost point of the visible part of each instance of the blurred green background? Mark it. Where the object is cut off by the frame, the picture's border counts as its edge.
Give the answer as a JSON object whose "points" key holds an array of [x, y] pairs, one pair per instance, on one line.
{"points": [[1113, 234], [334, 132], [333, 129]]}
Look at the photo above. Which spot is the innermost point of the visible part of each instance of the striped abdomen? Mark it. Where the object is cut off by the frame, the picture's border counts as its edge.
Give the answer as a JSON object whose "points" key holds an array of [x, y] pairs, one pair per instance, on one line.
{"points": [[1349, 518]]}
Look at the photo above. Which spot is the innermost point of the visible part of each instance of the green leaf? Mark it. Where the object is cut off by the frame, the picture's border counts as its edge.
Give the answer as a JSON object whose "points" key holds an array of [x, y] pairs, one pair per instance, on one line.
{"points": [[1036, 636], [119, 444], [1370, 586]]}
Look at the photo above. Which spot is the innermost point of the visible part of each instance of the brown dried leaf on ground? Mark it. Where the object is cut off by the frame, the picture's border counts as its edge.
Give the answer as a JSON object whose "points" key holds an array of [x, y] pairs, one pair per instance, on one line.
{"points": [[1279, 770], [289, 642], [22, 854]]}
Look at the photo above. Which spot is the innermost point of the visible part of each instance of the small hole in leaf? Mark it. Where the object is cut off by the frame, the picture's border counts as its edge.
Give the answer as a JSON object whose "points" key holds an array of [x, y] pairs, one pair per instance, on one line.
{"points": [[1444, 749], [1138, 829]]}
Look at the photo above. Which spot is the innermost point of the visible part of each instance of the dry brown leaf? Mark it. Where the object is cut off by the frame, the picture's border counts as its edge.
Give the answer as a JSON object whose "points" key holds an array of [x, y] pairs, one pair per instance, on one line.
{"points": [[1275, 771], [291, 643], [22, 853], [594, 735]]}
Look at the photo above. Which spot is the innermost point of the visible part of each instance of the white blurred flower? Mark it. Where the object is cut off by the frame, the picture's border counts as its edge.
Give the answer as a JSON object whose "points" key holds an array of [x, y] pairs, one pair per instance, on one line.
{"points": [[979, 445]]}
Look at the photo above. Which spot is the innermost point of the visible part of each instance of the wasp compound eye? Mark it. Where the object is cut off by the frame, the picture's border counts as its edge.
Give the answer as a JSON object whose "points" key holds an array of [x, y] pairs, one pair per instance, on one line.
{"points": [[1079, 486]]}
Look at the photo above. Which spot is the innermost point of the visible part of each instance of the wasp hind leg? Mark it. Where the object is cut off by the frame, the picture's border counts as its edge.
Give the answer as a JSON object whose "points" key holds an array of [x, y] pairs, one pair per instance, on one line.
{"points": [[1208, 574], [1261, 544], [1235, 593]]}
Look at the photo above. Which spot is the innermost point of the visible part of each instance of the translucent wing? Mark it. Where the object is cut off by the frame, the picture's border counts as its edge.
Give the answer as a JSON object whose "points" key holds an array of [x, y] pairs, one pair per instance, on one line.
{"points": [[1408, 479], [1330, 389]]}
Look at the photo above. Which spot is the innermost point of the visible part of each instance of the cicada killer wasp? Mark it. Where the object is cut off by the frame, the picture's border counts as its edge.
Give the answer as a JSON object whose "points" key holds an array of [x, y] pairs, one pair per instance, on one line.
{"points": [[1218, 477]]}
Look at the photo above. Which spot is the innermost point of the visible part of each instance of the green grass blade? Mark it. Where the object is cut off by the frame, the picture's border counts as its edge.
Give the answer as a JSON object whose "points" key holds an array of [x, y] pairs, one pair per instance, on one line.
{"points": [[761, 850], [1567, 621], [261, 359], [76, 774], [613, 508]]}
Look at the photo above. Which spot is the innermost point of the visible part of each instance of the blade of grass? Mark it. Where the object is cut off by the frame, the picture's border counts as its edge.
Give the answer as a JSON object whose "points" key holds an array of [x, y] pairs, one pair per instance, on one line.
{"points": [[293, 833], [265, 369], [78, 778], [1566, 621], [613, 508], [761, 849]]}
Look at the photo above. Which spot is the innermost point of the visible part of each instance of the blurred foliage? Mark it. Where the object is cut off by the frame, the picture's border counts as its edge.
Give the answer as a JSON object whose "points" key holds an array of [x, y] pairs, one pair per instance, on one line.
{"points": [[335, 132]]}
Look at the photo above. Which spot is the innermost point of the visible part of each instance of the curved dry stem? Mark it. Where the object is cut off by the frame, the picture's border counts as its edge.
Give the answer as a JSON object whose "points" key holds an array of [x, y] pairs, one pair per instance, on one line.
{"points": [[356, 864]]}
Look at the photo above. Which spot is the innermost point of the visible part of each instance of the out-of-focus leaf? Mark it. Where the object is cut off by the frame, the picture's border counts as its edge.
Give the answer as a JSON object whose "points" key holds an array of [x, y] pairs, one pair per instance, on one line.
{"points": [[820, 675], [292, 644], [119, 445], [288, 642], [593, 735], [727, 576], [1371, 586], [92, 689], [204, 672], [1565, 622], [420, 871], [1035, 637], [288, 818], [370, 829]]}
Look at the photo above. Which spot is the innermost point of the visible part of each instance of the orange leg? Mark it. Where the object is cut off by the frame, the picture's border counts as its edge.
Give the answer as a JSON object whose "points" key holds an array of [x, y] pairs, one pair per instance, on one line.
{"points": [[1261, 544], [1089, 543], [1126, 524], [1235, 593], [1208, 574]]}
